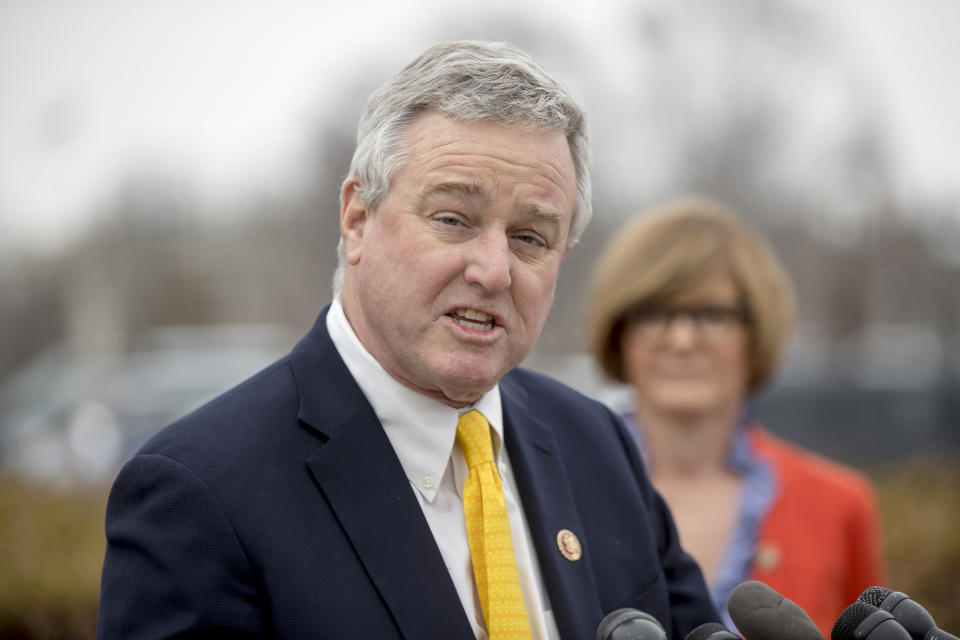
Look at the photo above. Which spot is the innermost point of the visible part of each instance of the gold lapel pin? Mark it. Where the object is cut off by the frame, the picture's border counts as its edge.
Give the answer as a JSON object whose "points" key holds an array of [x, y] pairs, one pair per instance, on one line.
{"points": [[569, 545]]}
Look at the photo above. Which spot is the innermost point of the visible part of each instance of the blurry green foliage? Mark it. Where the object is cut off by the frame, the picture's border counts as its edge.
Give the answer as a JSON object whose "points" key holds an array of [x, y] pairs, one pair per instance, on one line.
{"points": [[53, 545], [52, 549], [920, 511]]}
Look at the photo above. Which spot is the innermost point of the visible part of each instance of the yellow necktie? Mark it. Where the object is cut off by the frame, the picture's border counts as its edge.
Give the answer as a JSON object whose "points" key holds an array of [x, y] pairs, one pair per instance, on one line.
{"points": [[488, 530]]}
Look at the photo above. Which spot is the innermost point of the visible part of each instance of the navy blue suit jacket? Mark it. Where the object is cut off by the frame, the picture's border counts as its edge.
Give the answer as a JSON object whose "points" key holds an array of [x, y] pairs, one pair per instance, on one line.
{"points": [[280, 509]]}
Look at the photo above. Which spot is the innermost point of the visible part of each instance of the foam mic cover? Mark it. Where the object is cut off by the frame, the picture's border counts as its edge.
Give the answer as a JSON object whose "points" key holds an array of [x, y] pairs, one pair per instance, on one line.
{"points": [[712, 631], [761, 613], [911, 616], [862, 621], [630, 624]]}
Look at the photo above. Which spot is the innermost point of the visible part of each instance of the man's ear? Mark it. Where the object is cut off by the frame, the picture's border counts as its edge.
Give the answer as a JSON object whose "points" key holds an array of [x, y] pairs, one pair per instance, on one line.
{"points": [[353, 217]]}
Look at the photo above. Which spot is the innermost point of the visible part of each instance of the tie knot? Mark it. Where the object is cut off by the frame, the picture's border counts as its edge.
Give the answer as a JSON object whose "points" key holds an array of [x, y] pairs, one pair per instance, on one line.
{"points": [[473, 436]]}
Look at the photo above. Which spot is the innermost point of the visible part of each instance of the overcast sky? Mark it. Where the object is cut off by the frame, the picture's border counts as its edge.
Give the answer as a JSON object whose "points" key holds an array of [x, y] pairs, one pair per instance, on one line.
{"points": [[223, 92]]}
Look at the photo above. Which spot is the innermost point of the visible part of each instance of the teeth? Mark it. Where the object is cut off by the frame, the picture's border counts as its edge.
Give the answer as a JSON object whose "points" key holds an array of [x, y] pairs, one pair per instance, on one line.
{"points": [[473, 314], [473, 319]]}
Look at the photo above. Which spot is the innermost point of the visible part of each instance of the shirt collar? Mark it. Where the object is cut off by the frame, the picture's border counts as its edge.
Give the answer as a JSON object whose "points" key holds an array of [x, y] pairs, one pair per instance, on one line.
{"points": [[421, 430]]}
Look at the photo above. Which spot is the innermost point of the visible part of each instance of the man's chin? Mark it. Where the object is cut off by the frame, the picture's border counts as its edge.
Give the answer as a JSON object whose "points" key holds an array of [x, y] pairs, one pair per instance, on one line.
{"points": [[460, 395], [464, 386]]}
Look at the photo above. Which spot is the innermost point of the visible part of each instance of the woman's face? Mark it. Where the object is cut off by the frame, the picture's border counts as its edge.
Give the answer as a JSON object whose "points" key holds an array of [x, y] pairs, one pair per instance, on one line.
{"points": [[688, 356]]}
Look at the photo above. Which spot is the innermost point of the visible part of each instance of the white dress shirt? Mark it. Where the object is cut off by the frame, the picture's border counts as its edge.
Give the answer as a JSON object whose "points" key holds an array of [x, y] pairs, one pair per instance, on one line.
{"points": [[423, 432]]}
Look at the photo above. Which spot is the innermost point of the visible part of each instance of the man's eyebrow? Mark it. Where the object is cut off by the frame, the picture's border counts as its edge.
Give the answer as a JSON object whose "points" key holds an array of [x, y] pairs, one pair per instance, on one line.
{"points": [[470, 190], [475, 191], [544, 214]]}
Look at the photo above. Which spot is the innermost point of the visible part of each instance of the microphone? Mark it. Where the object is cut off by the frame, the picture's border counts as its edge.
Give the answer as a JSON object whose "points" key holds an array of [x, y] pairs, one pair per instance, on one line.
{"points": [[911, 616], [862, 621], [761, 613], [712, 631], [630, 624]]}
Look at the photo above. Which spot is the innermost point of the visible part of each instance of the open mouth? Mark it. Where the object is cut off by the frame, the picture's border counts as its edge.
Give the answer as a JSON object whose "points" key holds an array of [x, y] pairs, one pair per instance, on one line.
{"points": [[473, 319]]}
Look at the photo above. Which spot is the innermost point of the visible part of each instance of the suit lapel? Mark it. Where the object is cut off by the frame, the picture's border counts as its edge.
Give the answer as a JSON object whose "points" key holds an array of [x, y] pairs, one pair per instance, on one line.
{"points": [[359, 474], [549, 507]]}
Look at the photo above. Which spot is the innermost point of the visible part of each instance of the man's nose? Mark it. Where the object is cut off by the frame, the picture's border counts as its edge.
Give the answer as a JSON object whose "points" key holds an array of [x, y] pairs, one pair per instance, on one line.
{"points": [[488, 262]]}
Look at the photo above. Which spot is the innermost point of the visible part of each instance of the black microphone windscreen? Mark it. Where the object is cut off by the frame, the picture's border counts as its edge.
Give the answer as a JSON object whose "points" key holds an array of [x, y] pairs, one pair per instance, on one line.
{"points": [[874, 595], [761, 613], [862, 621], [910, 614], [630, 624], [850, 619], [712, 631]]}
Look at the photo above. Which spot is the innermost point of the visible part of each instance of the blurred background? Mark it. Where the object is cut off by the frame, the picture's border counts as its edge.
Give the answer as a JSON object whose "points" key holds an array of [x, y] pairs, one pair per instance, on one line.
{"points": [[169, 177]]}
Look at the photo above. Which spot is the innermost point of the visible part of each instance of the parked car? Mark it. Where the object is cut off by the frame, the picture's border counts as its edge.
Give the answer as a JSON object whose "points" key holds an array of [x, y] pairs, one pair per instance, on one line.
{"points": [[72, 417]]}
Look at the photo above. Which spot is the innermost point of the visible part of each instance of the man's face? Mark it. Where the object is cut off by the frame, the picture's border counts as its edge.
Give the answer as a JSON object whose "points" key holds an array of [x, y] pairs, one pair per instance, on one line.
{"points": [[451, 278]]}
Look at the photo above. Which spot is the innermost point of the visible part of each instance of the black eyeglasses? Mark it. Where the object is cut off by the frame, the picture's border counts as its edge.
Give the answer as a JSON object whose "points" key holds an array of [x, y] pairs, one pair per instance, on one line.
{"points": [[712, 322]]}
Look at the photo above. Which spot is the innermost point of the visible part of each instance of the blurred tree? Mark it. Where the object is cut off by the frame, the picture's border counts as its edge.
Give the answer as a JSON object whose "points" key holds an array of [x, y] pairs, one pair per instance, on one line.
{"points": [[31, 308]]}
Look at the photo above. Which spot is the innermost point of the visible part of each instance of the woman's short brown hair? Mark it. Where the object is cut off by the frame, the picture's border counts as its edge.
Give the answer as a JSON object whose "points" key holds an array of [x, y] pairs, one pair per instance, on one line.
{"points": [[670, 250]]}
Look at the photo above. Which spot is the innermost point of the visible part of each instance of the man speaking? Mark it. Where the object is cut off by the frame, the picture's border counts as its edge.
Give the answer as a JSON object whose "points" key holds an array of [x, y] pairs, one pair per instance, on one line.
{"points": [[396, 476]]}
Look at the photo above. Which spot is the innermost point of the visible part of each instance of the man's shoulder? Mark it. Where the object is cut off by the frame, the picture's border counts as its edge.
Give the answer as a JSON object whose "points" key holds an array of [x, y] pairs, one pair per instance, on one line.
{"points": [[240, 414], [252, 410]]}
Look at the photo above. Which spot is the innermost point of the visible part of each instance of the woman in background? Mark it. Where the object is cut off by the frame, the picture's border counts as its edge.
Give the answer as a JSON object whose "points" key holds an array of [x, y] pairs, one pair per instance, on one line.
{"points": [[691, 308]]}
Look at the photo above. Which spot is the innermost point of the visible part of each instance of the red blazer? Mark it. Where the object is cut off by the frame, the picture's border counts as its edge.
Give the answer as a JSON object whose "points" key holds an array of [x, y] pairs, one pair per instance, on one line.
{"points": [[820, 544]]}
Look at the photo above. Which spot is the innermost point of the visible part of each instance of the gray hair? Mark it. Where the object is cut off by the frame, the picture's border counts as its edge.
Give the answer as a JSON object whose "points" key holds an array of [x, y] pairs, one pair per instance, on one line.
{"points": [[467, 81]]}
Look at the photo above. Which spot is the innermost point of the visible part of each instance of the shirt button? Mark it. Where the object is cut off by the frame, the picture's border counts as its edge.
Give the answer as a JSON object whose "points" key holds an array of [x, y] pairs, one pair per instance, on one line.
{"points": [[428, 482], [503, 468]]}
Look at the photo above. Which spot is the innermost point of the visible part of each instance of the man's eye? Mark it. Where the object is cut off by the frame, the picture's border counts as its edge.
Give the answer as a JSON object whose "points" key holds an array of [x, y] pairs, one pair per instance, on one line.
{"points": [[532, 239], [448, 219]]}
